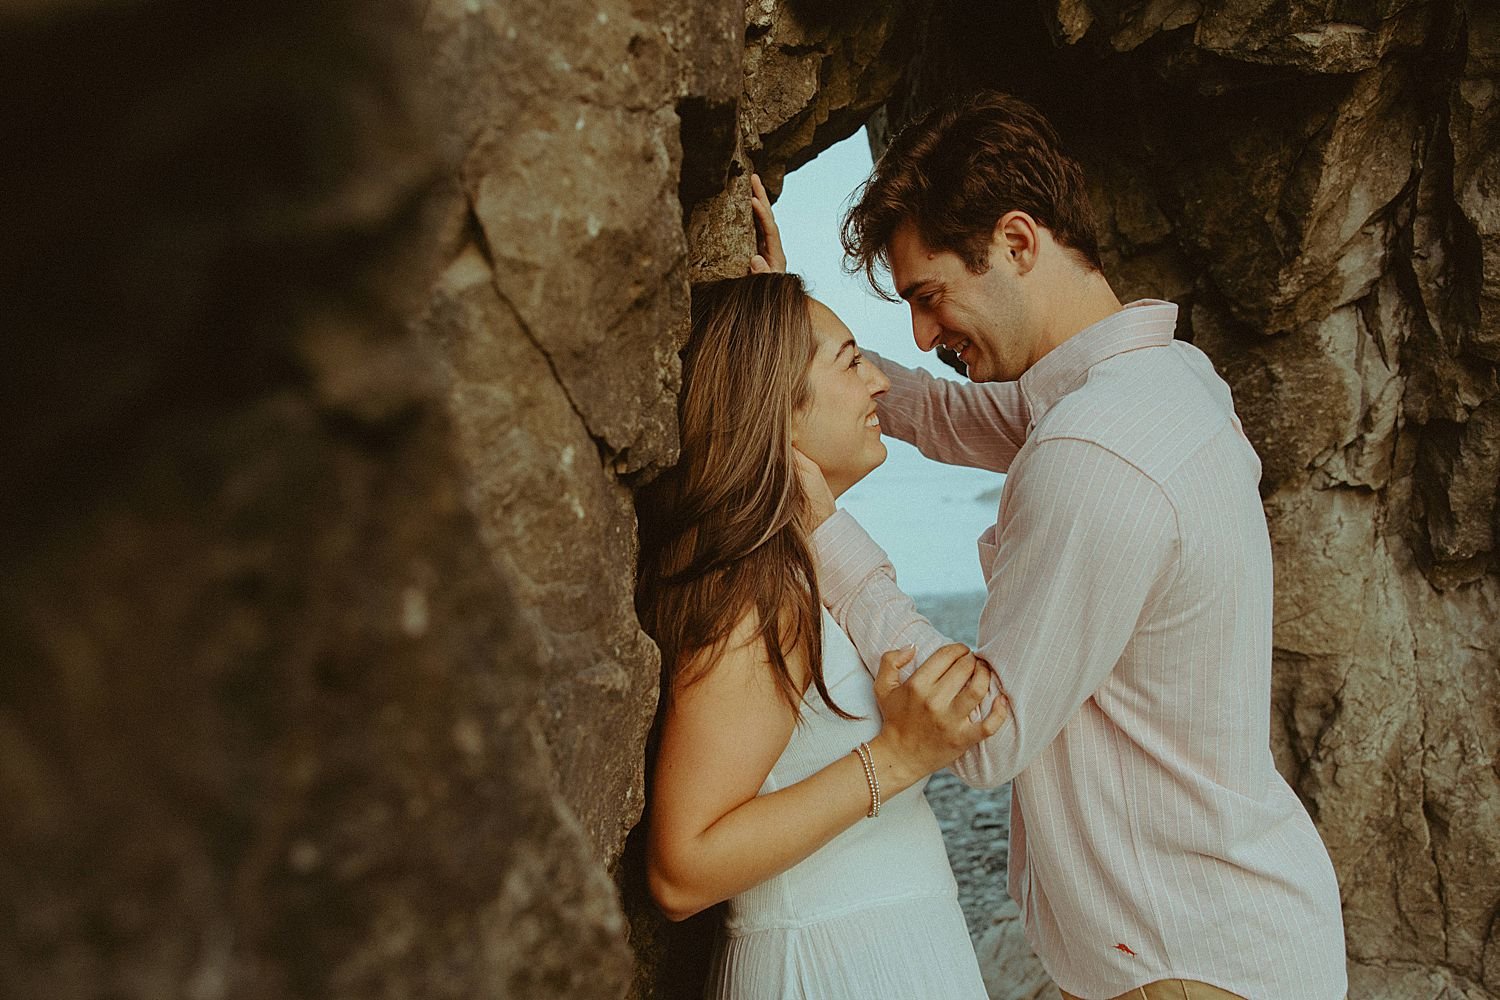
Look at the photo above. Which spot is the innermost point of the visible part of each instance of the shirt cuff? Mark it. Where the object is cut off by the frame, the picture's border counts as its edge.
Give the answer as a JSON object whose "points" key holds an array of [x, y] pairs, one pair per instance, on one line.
{"points": [[846, 556]]}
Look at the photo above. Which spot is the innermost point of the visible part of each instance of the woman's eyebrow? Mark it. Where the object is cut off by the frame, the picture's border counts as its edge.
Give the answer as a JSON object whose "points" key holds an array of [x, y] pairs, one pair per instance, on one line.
{"points": [[846, 345]]}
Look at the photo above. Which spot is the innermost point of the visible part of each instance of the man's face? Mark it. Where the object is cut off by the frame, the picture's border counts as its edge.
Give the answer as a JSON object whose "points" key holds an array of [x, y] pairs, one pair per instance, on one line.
{"points": [[980, 317]]}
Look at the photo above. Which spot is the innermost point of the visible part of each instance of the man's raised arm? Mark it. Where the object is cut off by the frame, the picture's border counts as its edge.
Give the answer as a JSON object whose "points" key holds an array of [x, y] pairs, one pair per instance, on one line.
{"points": [[977, 424], [859, 586]]}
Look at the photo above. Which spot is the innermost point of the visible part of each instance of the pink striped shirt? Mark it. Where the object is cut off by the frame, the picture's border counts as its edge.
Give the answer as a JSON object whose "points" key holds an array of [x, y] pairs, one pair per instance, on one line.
{"points": [[1129, 620]]}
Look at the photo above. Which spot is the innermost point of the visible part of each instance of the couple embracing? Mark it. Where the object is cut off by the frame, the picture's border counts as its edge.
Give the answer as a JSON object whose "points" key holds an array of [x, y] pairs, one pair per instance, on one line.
{"points": [[1122, 678]]}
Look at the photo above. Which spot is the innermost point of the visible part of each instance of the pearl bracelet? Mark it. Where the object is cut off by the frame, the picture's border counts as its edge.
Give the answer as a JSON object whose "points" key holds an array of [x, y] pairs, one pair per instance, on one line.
{"points": [[874, 781]]}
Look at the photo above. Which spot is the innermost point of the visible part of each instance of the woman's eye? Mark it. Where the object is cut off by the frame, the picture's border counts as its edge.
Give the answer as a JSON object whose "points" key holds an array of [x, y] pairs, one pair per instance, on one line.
{"points": [[857, 360]]}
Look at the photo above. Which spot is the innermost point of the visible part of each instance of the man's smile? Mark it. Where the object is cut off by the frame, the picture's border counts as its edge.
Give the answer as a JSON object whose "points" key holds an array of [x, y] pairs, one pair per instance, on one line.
{"points": [[958, 345]]}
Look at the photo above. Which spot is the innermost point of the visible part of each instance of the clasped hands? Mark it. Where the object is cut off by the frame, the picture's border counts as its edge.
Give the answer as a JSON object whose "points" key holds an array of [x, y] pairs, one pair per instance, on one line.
{"points": [[927, 717]]}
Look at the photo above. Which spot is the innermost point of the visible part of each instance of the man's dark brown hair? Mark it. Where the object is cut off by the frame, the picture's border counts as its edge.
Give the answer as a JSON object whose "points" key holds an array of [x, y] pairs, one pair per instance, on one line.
{"points": [[955, 170]]}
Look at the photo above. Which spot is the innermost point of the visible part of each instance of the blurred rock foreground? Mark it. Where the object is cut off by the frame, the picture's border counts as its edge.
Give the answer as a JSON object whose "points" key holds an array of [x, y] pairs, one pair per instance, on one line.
{"points": [[338, 334]]}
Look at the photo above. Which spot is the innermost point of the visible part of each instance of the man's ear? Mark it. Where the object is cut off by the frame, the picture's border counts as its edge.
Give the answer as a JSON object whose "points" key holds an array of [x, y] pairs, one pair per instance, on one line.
{"points": [[1017, 238]]}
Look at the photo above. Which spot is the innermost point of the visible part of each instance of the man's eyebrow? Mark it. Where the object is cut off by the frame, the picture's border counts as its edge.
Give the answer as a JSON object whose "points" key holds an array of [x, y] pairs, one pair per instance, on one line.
{"points": [[915, 287]]}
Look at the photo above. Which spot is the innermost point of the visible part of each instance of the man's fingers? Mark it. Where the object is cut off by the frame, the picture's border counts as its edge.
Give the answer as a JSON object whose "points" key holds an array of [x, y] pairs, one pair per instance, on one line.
{"points": [[805, 465], [811, 475]]}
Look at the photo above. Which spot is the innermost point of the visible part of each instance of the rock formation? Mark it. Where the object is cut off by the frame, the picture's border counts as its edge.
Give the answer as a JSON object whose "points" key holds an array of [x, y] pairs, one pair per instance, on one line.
{"points": [[340, 334], [267, 710]]}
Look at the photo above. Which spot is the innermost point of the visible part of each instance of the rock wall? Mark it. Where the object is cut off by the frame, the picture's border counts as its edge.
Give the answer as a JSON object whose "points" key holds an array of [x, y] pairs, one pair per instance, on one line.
{"points": [[268, 709], [1321, 194], [340, 334]]}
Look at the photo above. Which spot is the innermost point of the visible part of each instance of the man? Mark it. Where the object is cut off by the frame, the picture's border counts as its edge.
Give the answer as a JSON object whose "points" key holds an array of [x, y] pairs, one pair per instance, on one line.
{"points": [[1155, 851]]}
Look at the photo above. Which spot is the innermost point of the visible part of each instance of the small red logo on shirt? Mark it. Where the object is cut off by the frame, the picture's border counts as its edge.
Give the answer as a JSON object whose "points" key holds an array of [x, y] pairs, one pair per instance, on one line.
{"points": [[1125, 948]]}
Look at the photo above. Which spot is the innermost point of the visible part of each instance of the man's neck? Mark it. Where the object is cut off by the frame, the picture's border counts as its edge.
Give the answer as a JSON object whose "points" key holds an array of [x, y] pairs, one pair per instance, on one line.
{"points": [[1081, 298]]}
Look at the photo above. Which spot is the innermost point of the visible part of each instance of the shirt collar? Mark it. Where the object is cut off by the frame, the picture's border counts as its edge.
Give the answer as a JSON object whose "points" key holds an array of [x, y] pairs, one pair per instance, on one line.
{"points": [[1143, 323]]}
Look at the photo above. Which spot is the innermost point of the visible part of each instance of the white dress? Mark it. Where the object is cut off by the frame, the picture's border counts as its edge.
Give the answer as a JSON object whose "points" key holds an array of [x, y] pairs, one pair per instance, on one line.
{"points": [[874, 914]]}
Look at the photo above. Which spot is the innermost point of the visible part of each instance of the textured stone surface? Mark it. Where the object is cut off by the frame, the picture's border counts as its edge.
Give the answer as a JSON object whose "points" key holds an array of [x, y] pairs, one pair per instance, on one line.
{"points": [[1320, 196], [269, 713], [812, 75], [344, 342]]}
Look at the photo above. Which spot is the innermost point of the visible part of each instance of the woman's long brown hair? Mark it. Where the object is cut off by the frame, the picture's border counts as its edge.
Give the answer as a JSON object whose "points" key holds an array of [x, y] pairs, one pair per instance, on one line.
{"points": [[721, 532]]}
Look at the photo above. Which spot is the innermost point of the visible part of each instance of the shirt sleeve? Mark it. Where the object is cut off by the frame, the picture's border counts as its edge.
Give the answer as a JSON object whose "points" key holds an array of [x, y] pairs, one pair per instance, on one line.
{"points": [[979, 424], [1088, 542], [859, 587]]}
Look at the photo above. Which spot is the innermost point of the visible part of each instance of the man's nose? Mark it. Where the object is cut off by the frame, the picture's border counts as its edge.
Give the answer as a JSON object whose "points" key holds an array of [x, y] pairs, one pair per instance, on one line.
{"points": [[924, 330]]}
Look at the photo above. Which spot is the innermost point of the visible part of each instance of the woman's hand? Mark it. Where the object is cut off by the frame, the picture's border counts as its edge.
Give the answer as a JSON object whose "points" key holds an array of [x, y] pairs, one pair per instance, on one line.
{"points": [[820, 506], [927, 725], [770, 257]]}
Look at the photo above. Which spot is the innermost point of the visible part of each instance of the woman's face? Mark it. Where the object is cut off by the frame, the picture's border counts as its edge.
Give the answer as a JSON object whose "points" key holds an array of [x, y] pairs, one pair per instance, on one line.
{"points": [[838, 428]]}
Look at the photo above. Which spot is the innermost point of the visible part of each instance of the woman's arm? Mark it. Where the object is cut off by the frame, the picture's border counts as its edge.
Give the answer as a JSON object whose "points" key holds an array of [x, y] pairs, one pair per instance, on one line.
{"points": [[711, 837]]}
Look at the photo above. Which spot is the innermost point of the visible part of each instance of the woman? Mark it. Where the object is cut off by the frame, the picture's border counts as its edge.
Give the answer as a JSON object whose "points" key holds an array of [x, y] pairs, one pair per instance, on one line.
{"points": [[786, 782]]}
